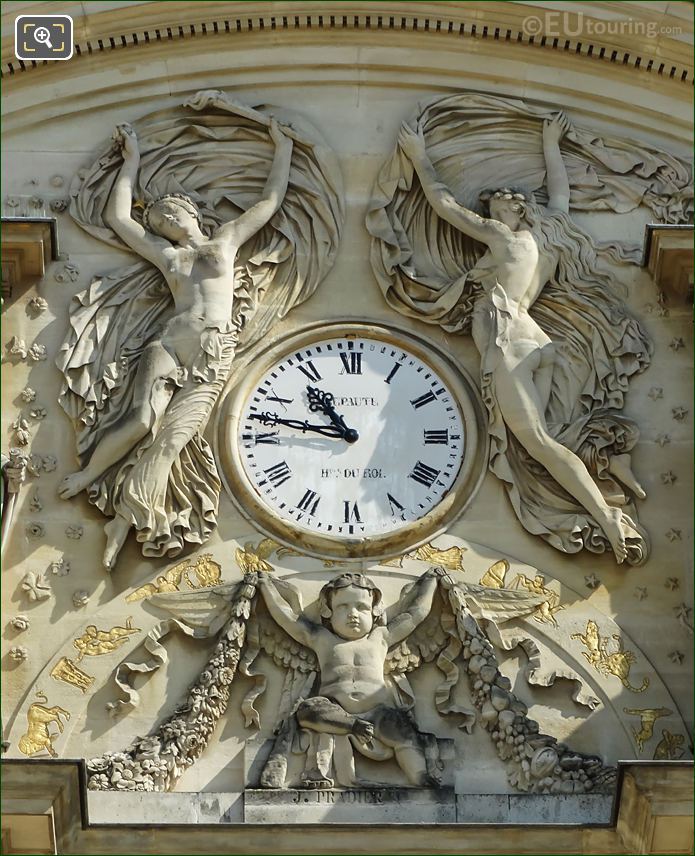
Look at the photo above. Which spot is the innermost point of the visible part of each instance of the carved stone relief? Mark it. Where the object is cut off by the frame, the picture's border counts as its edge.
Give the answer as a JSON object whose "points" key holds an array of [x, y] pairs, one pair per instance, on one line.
{"points": [[551, 365], [461, 619], [366, 711], [344, 679], [260, 204]]}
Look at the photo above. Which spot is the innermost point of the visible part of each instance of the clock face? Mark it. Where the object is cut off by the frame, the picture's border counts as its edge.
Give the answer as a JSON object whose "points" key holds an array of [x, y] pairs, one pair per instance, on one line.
{"points": [[351, 436]]}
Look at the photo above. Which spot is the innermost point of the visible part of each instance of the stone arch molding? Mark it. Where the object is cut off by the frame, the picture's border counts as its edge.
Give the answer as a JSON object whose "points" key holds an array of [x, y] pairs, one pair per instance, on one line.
{"points": [[639, 48], [562, 635], [154, 50]]}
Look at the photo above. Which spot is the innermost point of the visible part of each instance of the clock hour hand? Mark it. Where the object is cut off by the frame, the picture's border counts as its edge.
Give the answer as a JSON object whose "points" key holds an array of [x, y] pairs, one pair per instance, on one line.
{"points": [[272, 419], [323, 402]]}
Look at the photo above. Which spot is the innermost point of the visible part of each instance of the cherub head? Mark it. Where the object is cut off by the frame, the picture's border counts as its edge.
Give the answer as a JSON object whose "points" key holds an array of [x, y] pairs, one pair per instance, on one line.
{"points": [[351, 605], [507, 205], [173, 216]]}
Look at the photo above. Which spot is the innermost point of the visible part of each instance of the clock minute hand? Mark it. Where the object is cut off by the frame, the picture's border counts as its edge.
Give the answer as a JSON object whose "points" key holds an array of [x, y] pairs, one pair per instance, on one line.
{"points": [[324, 401], [272, 419]]}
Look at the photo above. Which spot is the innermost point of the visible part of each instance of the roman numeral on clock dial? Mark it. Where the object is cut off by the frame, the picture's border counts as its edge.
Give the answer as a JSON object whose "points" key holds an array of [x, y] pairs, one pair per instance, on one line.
{"points": [[436, 436], [392, 373], [351, 512], [309, 502], [423, 399], [352, 363], [277, 474], [271, 439], [424, 474], [310, 370], [396, 508]]}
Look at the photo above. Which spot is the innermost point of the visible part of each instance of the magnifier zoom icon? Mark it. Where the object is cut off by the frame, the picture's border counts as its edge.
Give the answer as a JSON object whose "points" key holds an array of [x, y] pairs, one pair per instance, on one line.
{"points": [[43, 36]]}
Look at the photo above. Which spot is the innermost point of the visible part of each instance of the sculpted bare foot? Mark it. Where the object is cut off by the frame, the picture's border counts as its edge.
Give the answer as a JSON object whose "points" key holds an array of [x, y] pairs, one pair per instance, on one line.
{"points": [[116, 532], [74, 484], [363, 731], [621, 467], [615, 532]]}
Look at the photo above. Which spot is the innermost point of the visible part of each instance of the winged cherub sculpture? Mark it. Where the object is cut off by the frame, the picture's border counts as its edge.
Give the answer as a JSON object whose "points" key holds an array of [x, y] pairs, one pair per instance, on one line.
{"points": [[355, 705], [345, 692]]}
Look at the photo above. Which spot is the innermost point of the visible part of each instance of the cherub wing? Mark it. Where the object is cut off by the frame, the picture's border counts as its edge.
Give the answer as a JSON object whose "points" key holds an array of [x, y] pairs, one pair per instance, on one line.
{"points": [[422, 646], [299, 662], [434, 640], [204, 609]]}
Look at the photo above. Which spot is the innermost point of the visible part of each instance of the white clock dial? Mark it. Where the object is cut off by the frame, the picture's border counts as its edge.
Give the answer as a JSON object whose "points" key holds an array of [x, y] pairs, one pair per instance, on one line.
{"points": [[395, 444], [351, 440]]}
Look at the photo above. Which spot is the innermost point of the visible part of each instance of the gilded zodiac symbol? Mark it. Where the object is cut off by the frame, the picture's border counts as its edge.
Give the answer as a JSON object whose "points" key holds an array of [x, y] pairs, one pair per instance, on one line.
{"points": [[207, 573], [39, 717], [648, 717], [670, 747], [616, 663], [94, 642]]}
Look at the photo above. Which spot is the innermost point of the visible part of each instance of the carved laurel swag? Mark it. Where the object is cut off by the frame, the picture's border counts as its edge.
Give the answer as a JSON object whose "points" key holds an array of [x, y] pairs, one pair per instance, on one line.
{"points": [[156, 762]]}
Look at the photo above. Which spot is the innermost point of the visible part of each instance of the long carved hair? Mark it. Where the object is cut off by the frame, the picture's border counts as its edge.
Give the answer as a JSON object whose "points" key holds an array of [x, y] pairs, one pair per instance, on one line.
{"points": [[579, 256]]}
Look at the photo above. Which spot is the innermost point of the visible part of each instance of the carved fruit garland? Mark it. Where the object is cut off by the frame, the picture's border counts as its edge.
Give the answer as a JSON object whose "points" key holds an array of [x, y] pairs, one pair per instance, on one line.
{"points": [[535, 762], [154, 763]]}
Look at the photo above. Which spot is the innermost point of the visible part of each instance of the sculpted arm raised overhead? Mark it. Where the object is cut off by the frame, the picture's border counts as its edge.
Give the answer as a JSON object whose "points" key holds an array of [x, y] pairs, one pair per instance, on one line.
{"points": [[296, 624], [556, 174], [413, 607], [255, 218], [439, 196], [118, 209]]}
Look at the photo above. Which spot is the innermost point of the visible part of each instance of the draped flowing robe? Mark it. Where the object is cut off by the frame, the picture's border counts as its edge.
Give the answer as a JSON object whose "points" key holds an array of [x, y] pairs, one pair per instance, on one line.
{"points": [[423, 266], [221, 159]]}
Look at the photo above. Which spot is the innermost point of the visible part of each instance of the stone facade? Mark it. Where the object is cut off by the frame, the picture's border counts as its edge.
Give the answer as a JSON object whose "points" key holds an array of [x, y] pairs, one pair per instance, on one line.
{"points": [[258, 572]]}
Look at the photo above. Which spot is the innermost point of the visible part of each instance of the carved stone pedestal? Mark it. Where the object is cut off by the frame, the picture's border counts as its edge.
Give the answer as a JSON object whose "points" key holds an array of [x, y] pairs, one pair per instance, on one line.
{"points": [[387, 805]]}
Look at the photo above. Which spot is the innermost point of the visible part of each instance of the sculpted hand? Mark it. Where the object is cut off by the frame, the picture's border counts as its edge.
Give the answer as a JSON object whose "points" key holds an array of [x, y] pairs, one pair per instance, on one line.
{"points": [[440, 573], [412, 142], [555, 129], [206, 98], [126, 139], [277, 135]]}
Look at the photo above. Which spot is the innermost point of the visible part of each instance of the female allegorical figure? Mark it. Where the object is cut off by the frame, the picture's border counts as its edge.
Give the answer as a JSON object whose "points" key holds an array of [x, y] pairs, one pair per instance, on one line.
{"points": [[183, 369], [526, 249]]}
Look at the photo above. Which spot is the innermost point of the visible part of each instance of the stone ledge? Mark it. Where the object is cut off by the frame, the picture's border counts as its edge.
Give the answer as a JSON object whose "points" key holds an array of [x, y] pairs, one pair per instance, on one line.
{"points": [[668, 256], [358, 805], [532, 809]]}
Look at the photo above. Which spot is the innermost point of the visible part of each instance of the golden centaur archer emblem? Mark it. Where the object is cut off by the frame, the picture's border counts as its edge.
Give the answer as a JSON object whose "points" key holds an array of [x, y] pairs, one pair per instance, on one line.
{"points": [[615, 663]]}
